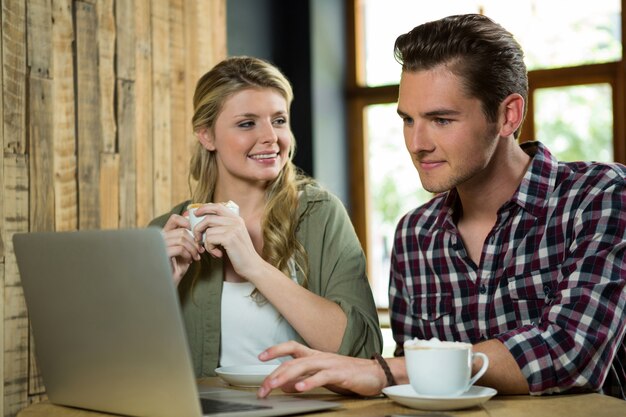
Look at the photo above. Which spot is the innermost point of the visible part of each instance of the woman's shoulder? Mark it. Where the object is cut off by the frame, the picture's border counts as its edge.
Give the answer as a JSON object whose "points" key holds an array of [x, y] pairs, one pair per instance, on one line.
{"points": [[177, 209], [312, 192], [315, 198]]}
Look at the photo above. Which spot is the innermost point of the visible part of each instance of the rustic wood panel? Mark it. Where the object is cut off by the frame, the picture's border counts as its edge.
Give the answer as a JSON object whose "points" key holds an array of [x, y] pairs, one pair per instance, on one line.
{"points": [[192, 64], [125, 39], [180, 153], [41, 110], [143, 115], [211, 38], [16, 196], [89, 129], [1, 207], [125, 90], [161, 105], [106, 72], [41, 155], [127, 151], [14, 75], [95, 132], [2, 331], [39, 34], [13, 127], [109, 190], [64, 120], [2, 250]]}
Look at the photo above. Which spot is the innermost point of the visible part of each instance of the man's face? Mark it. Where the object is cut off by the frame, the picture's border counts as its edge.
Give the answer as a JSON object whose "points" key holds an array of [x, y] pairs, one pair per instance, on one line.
{"points": [[445, 131]]}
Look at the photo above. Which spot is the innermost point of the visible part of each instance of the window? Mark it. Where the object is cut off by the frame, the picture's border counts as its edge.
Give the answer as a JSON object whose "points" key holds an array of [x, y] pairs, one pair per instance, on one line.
{"points": [[576, 103]]}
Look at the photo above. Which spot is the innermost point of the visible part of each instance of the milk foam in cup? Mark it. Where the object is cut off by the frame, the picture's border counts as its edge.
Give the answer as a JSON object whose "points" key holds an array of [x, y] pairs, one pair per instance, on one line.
{"points": [[441, 369], [194, 220]]}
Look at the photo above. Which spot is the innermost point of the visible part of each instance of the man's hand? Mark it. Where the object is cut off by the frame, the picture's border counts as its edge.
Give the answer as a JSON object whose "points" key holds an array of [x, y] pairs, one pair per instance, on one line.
{"points": [[311, 369]]}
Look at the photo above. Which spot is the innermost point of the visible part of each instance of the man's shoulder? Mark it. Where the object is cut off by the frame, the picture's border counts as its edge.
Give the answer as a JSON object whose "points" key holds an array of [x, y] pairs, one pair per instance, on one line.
{"points": [[589, 176]]}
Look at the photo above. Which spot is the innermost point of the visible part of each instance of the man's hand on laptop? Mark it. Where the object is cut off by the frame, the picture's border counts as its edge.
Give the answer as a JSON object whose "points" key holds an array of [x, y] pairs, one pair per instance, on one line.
{"points": [[311, 369]]}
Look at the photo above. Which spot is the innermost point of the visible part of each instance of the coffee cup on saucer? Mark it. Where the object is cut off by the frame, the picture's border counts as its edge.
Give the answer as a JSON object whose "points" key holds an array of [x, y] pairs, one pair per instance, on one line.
{"points": [[442, 369]]}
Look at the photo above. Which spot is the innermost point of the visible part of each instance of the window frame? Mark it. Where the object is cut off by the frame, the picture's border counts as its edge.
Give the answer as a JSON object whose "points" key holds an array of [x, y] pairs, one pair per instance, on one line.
{"points": [[358, 97]]}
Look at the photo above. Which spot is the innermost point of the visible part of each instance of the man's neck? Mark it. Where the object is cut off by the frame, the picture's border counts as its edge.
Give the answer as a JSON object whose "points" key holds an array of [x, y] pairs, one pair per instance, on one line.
{"points": [[482, 197]]}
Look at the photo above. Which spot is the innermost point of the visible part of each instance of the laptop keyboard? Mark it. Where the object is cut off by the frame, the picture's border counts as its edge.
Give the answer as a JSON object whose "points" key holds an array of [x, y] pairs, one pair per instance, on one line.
{"points": [[219, 406]]}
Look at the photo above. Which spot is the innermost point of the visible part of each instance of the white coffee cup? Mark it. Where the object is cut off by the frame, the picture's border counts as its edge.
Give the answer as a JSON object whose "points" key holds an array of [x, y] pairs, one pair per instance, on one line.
{"points": [[194, 220], [441, 369]]}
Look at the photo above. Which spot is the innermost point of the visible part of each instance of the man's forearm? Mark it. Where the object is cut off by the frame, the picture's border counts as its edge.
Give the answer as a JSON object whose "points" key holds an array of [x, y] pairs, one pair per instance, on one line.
{"points": [[398, 369], [503, 374]]}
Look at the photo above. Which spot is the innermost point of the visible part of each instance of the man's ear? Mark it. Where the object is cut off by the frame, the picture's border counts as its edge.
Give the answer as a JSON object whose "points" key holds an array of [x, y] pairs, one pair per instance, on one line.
{"points": [[512, 109], [206, 139]]}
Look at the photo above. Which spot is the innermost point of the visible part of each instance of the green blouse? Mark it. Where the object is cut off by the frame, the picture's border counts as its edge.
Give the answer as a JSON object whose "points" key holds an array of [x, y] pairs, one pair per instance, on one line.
{"points": [[336, 272]]}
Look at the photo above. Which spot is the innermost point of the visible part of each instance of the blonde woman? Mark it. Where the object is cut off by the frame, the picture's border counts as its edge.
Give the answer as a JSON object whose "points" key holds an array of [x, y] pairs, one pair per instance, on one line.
{"points": [[289, 265]]}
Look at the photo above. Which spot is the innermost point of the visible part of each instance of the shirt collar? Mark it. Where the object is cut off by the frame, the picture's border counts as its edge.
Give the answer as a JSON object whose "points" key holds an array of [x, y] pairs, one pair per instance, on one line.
{"points": [[538, 182]]}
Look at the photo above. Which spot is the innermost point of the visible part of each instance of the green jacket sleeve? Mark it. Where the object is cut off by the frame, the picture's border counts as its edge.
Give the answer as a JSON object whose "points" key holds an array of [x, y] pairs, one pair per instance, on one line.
{"points": [[337, 269]]}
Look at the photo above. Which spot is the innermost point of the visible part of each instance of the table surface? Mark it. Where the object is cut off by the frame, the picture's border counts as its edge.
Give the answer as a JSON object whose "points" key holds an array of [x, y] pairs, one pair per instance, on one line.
{"points": [[499, 406]]}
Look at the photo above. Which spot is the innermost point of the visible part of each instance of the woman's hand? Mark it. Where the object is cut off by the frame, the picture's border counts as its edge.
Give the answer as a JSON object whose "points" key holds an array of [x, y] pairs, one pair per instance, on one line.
{"points": [[223, 231], [311, 369], [180, 245]]}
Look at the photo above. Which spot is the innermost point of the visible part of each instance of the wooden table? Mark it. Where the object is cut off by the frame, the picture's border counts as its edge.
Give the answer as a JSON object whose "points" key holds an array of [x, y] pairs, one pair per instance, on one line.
{"points": [[499, 406]]}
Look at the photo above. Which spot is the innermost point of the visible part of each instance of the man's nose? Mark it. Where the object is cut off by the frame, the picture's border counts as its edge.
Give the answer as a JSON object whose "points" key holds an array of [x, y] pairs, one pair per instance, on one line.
{"points": [[417, 138]]}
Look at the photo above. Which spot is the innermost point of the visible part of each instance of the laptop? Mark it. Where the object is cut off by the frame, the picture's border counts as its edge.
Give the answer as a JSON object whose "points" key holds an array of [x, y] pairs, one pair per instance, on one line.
{"points": [[108, 331]]}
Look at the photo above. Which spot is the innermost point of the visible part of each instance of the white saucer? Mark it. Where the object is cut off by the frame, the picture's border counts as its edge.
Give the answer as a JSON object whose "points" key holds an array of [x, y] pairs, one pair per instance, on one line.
{"points": [[405, 395], [246, 375]]}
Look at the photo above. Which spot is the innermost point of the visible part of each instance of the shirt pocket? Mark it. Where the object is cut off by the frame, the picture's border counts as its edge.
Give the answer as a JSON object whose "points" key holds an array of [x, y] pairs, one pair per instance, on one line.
{"points": [[530, 294], [431, 307]]}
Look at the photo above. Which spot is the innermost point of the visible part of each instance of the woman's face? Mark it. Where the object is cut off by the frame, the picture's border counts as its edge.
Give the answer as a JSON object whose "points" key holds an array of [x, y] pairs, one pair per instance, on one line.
{"points": [[251, 136]]}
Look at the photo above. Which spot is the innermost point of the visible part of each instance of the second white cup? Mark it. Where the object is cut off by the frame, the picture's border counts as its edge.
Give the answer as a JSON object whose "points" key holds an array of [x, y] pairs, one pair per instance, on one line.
{"points": [[442, 369]]}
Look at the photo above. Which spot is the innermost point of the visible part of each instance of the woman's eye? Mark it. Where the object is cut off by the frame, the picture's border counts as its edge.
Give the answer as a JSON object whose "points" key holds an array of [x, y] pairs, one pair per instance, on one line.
{"points": [[246, 124], [280, 121]]}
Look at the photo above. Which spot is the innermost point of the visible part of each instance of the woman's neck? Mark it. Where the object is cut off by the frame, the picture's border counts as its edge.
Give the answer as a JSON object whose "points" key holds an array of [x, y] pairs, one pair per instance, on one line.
{"points": [[250, 199]]}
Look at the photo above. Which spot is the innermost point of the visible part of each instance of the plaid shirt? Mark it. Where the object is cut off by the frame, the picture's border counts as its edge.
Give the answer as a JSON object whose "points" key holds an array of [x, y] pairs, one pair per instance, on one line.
{"points": [[550, 285]]}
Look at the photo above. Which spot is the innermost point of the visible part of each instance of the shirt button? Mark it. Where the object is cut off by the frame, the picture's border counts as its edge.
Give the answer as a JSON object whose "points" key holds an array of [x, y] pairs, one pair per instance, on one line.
{"points": [[483, 289]]}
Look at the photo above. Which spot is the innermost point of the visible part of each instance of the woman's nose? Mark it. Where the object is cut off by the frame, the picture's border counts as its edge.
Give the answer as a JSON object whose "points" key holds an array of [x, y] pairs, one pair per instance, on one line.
{"points": [[268, 133]]}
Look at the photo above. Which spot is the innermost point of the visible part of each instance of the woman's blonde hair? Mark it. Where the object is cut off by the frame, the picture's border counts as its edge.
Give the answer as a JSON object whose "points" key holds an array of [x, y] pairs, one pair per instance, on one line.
{"points": [[280, 220]]}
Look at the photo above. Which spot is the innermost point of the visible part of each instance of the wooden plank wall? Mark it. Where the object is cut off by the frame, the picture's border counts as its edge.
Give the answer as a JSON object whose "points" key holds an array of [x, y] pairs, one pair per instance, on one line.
{"points": [[95, 130]]}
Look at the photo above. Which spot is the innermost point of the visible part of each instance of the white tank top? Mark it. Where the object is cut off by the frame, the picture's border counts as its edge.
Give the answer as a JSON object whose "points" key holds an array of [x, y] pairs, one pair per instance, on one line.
{"points": [[249, 328]]}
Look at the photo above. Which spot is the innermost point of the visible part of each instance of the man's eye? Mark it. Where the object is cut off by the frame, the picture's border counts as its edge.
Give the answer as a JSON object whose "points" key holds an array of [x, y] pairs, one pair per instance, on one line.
{"points": [[407, 121], [441, 122]]}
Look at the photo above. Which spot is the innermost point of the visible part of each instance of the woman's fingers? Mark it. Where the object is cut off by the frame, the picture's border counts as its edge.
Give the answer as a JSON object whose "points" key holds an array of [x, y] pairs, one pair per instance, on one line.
{"points": [[180, 245]]}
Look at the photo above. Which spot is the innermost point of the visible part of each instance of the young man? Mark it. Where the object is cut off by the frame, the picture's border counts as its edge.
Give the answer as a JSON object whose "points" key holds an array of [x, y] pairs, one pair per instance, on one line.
{"points": [[519, 254]]}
